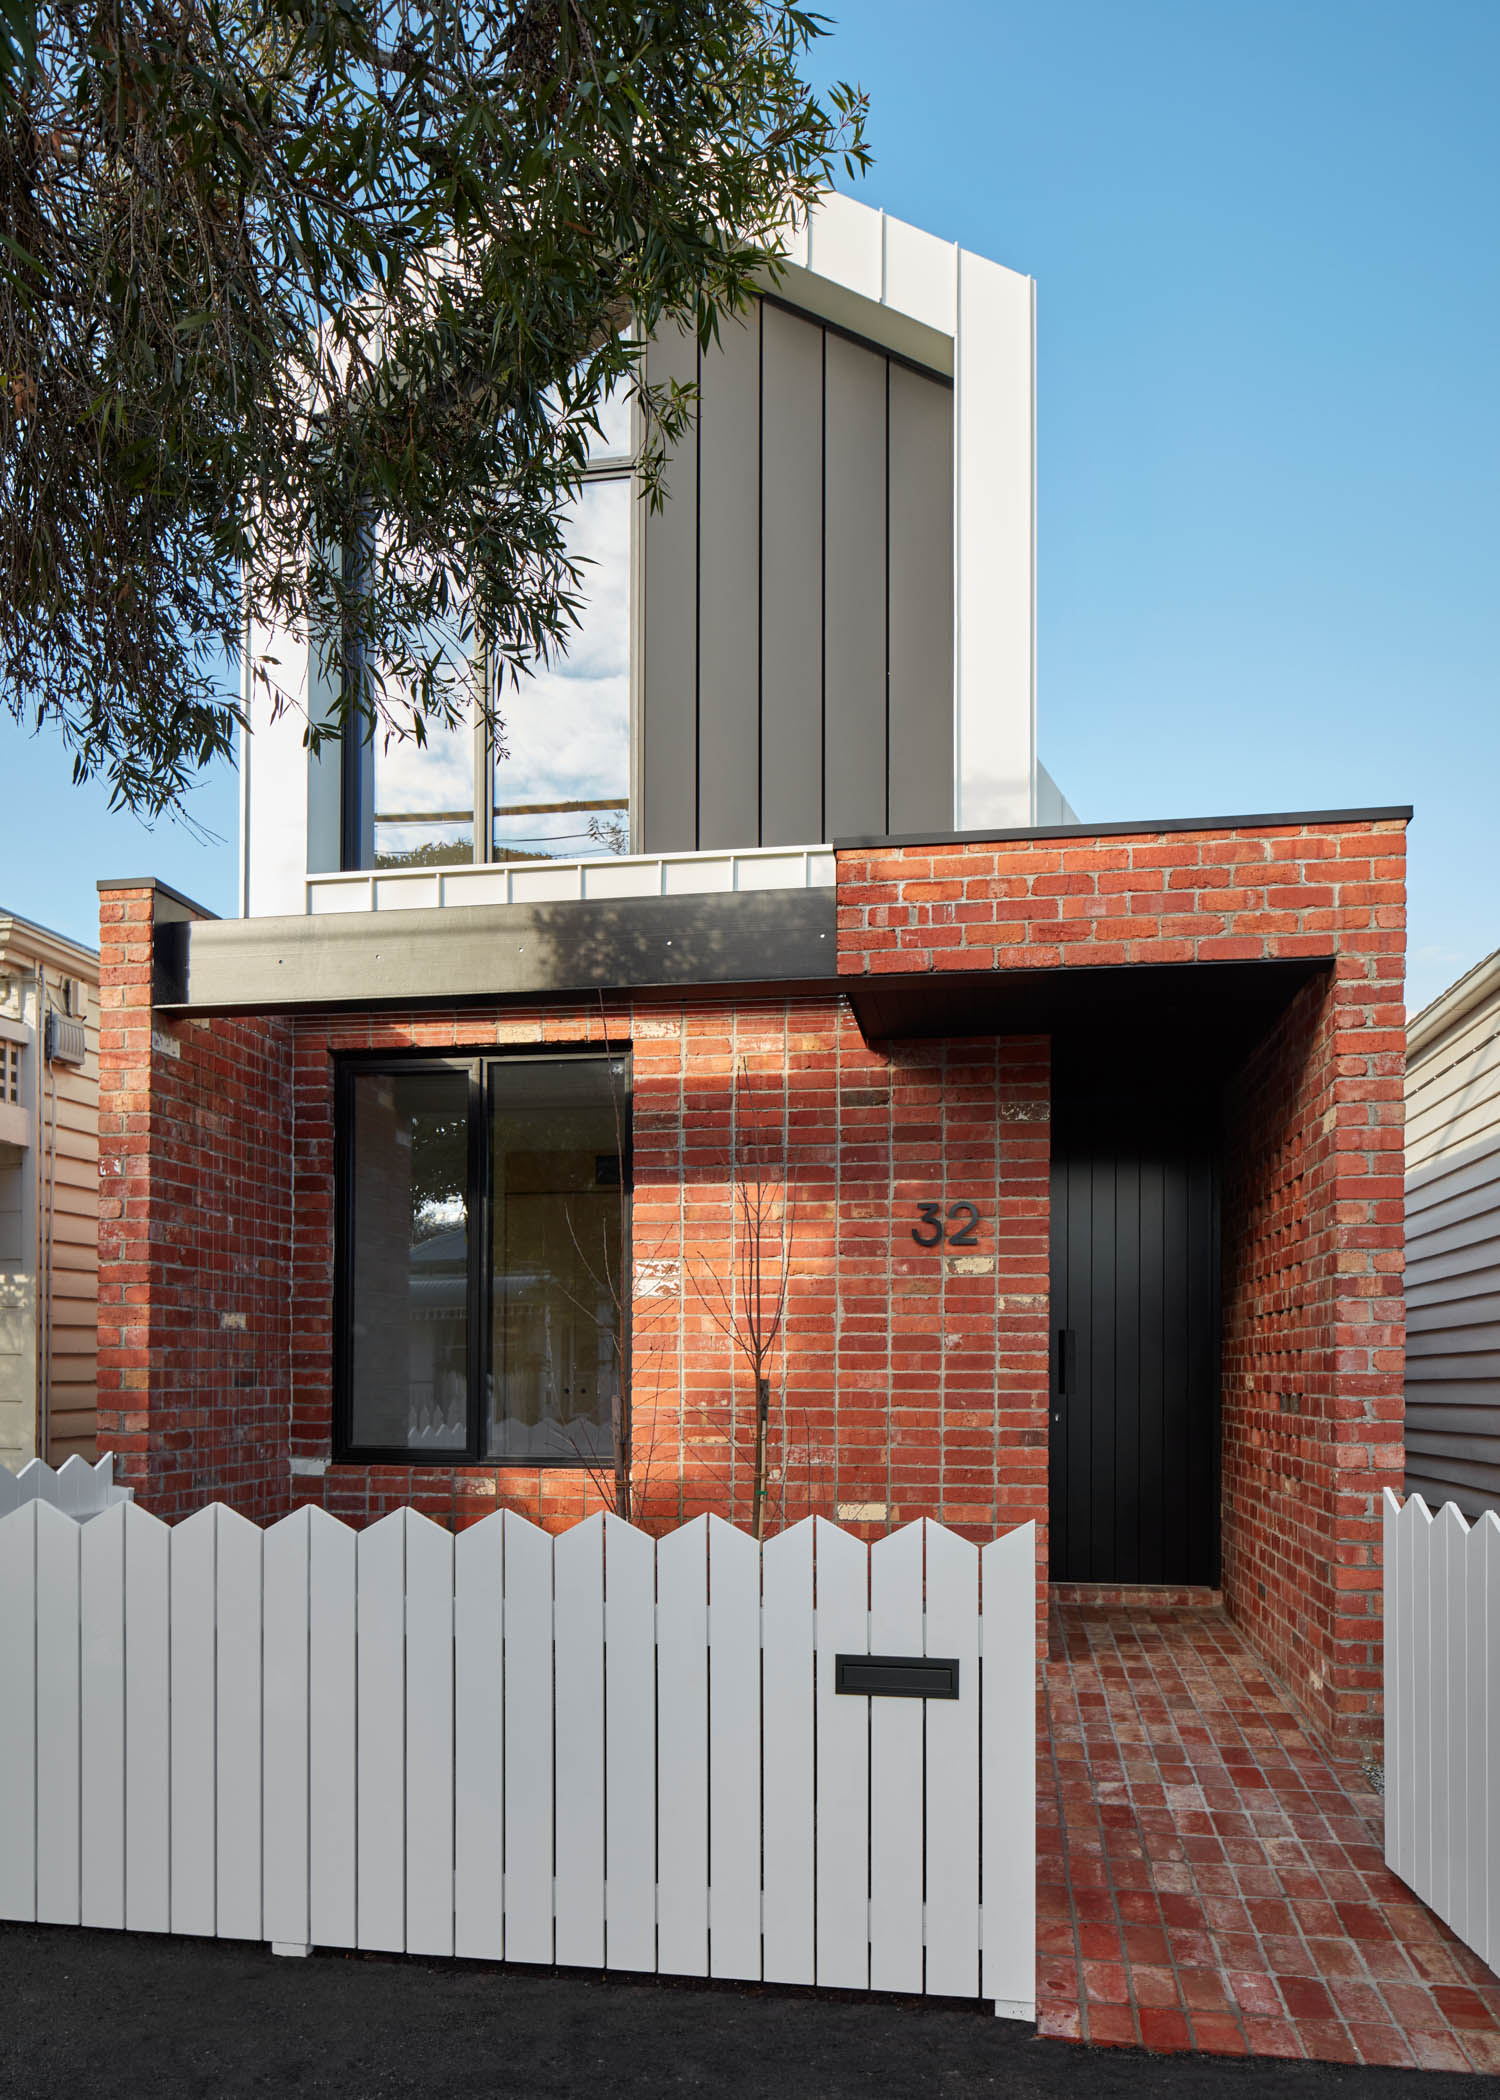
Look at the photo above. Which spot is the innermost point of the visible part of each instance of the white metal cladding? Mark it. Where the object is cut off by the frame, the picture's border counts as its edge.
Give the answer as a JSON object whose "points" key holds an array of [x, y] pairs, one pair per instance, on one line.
{"points": [[1442, 1714], [596, 1749], [83, 1490], [571, 881]]}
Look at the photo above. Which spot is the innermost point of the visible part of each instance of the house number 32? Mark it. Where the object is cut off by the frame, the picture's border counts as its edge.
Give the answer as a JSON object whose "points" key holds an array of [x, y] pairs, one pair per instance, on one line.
{"points": [[961, 1225]]}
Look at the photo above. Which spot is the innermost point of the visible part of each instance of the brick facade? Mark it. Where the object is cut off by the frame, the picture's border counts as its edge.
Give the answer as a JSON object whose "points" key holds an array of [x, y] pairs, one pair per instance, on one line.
{"points": [[1312, 1315], [909, 1382], [195, 1217]]}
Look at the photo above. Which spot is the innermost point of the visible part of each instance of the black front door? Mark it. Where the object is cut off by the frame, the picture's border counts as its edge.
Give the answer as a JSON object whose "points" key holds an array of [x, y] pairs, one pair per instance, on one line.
{"points": [[1135, 1341]]}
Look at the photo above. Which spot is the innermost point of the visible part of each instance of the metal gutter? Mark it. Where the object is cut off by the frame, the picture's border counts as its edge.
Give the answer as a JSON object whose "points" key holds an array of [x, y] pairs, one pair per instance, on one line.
{"points": [[1451, 1006]]}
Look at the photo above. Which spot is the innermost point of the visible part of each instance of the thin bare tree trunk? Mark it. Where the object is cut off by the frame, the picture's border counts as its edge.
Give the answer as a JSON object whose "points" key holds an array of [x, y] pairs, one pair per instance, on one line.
{"points": [[762, 1412]]}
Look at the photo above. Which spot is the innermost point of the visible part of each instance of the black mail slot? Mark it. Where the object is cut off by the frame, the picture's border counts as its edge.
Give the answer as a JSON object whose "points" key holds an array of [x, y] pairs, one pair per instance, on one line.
{"points": [[897, 1676]]}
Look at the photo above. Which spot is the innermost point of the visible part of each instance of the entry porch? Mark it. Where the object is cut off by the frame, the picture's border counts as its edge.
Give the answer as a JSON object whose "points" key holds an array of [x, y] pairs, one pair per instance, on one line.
{"points": [[1209, 1875]]}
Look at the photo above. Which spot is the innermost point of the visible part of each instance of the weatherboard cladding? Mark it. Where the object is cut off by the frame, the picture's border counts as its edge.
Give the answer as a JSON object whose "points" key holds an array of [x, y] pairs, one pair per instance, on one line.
{"points": [[1453, 1261], [797, 650]]}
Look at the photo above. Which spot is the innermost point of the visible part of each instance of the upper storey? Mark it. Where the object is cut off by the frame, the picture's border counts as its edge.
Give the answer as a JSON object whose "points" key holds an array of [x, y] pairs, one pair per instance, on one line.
{"points": [[827, 630]]}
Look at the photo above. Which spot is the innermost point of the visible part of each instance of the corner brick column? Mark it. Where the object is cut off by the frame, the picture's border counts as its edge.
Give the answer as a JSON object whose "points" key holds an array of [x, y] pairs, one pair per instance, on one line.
{"points": [[124, 1331], [1314, 1338], [195, 1169]]}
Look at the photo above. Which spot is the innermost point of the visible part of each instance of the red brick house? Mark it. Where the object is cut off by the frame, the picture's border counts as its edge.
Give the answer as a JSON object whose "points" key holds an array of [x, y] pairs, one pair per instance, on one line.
{"points": [[1090, 1135]]}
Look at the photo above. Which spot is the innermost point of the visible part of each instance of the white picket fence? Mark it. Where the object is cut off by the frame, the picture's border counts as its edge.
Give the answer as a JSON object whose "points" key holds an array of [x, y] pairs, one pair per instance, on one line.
{"points": [[77, 1487], [595, 1749], [1442, 1714]]}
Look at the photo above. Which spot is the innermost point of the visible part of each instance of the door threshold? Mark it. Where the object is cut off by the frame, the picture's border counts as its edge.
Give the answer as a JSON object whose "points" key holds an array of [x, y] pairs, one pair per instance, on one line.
{"points": [[1137, 1596]]}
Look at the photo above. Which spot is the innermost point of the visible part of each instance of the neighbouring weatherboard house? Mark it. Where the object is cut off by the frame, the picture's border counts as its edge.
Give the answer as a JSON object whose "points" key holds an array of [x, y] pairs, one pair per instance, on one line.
{"points": [[49, 1192], [1453, 1245], [1082, 1142]]}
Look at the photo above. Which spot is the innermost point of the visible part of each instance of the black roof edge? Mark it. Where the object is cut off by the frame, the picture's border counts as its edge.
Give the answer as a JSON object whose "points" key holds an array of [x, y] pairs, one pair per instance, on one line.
{"points": [[1400, 812], [154, 882]]}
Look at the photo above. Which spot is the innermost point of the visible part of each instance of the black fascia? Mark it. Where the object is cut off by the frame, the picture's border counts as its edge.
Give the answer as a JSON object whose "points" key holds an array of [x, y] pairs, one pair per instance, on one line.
{"points": [[1397, 813]]}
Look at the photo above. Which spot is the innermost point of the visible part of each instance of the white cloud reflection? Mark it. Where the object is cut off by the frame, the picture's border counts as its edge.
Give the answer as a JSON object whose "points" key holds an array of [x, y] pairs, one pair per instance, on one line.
{"points": [[564, 728]]}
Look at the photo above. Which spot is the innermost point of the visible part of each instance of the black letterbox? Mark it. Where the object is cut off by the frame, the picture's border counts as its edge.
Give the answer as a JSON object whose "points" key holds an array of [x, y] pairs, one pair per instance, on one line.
{"points": [[897, 1676]]}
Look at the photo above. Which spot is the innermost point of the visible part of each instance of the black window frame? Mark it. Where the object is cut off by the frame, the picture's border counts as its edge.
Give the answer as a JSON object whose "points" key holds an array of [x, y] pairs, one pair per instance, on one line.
{"points": [[478, 1064]]}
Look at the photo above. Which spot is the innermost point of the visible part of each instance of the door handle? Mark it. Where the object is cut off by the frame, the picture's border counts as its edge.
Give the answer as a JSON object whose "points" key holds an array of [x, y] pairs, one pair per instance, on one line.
{"points": [[1064, 1336]]}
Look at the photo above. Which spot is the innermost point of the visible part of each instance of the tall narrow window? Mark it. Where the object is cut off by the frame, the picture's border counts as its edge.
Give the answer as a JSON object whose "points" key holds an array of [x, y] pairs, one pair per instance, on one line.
{"points": [[408, 1249], [562, 758], [556, 1288], [556, 769], [484, 1249]]}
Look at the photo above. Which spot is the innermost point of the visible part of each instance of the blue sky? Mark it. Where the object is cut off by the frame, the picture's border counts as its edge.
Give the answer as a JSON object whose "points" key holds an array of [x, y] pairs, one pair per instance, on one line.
{"points": [[1268, 311]]}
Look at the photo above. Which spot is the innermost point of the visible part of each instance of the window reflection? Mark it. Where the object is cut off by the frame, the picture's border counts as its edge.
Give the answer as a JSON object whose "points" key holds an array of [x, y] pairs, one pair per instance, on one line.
{"points": [[409, 1326], [613, 438], [424, 799], [562, 774], [557, 1286]]}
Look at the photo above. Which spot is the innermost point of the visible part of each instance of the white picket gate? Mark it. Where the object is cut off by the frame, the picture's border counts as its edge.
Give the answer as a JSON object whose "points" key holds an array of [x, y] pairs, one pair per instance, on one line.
{"points": [[595, 1749], [1442, 1714]]}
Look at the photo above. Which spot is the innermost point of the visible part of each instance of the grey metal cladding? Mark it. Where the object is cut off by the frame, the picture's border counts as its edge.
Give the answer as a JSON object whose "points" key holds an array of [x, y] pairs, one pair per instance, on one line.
{"points": [[791, 580], [508, 951], [797, 657], [669, 641], [854, 559], [921, 601], [728, 552]]}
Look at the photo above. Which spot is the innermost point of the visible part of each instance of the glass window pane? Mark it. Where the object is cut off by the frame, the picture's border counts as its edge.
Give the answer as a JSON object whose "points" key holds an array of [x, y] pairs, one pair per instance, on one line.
{"points": [[562, 771], [424, 799], [614, 426], [557, 1139], [409, 1278]]}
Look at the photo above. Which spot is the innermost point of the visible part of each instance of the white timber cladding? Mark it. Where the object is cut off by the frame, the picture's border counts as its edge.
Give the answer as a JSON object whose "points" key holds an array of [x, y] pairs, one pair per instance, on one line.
{"points": [[1453, 1245], [926, 299], [598, 1749], [49, 1198]]}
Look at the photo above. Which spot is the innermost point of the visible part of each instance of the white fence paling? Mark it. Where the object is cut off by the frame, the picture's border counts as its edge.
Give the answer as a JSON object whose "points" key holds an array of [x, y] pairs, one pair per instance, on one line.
{"points": [[594, 1749], [1442, 1714], [83, 1490]]}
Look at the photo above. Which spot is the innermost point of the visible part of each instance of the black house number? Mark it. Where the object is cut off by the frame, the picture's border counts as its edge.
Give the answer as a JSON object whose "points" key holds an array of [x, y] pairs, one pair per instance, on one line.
{"points": [[933, 1230]]}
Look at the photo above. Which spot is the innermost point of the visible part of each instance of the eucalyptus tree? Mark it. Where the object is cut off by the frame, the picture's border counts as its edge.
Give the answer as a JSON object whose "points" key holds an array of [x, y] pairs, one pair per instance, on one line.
{"points": [[308, 309]]}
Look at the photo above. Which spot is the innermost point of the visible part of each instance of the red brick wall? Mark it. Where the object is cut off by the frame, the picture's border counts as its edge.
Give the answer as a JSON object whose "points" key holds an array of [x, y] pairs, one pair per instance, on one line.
{"points": [[908, 1383], [1313, 1337], [1312, 1371], [1245, 895], [195, 1209]]}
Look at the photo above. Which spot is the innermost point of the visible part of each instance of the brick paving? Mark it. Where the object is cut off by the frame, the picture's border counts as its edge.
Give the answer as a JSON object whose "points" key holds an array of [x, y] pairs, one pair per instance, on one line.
{"points": [[1208, 1878]]}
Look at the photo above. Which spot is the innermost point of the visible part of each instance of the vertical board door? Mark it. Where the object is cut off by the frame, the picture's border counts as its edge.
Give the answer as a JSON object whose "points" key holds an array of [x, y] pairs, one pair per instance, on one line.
{"points": [[1135, 1341]]}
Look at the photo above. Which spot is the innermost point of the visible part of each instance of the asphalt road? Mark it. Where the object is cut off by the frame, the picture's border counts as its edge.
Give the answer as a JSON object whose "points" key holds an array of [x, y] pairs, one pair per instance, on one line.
{"points": [[100, 2013]]}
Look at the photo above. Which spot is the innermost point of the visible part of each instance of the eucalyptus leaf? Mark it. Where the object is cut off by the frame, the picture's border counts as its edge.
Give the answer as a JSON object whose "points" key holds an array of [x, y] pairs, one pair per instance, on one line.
{"points": [[281, 278]]}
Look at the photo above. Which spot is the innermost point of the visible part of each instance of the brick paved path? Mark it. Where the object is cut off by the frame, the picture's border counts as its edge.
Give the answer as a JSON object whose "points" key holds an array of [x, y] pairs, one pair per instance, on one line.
{"points": [[1209, 1879]]}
